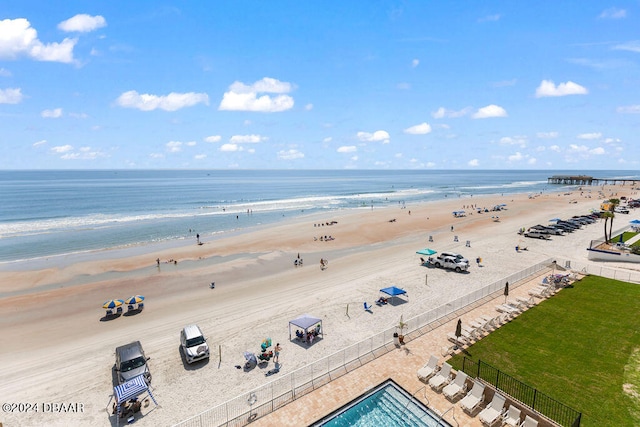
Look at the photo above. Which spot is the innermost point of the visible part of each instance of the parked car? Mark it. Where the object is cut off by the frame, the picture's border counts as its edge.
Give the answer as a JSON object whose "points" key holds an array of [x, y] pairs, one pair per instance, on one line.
{"points": [[565, 228], [451, 263], [458, 257], [194, 344], [536, 235], [621, 209], [131, 362]]}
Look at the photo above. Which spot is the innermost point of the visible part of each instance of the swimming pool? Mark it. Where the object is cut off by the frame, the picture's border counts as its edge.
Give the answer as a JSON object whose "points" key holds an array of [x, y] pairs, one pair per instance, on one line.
{"points": [[386, 405]]}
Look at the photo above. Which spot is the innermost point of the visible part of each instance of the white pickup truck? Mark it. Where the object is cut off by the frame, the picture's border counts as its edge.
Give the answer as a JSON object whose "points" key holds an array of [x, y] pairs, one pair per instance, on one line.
{"points": [[451, 263]]}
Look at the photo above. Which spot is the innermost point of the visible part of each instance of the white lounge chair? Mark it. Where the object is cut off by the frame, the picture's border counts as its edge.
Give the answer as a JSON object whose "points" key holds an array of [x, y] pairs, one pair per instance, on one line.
{"points": [[529, 422], [429, 369], [461, 340], [473, 399], [457, 387], [441, 379], [512, 417], [504, 308], [529, 302], [493, 412]]}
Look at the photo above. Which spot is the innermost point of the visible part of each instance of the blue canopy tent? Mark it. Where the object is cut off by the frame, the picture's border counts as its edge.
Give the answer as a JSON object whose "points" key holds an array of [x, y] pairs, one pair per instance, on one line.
{"points": [[130, 390], [426, 251], [393, 291]]}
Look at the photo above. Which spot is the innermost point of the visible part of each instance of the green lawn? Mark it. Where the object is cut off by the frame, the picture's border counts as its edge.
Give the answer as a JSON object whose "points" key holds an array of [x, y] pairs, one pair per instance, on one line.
{"points": [[580, 347]]}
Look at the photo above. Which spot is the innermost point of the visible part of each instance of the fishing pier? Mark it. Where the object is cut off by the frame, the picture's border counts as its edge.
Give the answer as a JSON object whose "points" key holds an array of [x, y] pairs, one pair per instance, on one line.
{"points": [[588, 180]]}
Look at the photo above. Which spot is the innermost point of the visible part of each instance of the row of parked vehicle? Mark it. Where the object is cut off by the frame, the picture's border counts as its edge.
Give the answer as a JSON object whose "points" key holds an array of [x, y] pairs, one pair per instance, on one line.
{"points": [[559, 227]]}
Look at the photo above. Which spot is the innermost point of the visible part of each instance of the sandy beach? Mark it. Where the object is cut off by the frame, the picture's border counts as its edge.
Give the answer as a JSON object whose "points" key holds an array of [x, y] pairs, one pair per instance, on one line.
{"points": [[56, 348]]}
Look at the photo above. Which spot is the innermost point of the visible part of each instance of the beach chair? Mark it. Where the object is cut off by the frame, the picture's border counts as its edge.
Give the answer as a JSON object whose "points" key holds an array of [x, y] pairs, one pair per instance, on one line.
{"points": [[529, 302], [130, 307], [473, 399], [367, 307], [119, 310], [428, 370], [493, 413], [512, 417], [109, 313], [457, 387], [529, 422], [461, 340], [505, 308], [441, 378], [140, 306]]}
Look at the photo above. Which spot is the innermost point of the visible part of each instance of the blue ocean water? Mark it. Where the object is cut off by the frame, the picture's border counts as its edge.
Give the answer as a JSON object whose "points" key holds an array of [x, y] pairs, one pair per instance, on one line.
{"points": [[46, 213]]}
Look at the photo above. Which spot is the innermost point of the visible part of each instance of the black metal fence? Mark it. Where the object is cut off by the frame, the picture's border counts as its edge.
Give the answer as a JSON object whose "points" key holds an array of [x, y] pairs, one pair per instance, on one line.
{"points": [[531, 397]]}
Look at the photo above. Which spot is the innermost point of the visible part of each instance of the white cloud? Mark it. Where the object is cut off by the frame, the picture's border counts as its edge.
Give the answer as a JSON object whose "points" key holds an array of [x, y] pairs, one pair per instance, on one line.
{"points": [[403, 86], [379, 135], [516, 140], [39, 143], [611, 140], [213, 138], [597, 151], [229, 147], [443, 112], [421, 129], [627, 109], [173, 146], [200, 156], [308, 107], [593, 135], [82, 23], [252, 139], [52, 114], [172, 102], [10, 96], [347, 149], [548, 88], [490, 111], [632, 46], [290, 154], [156, 155], [555, 148], [327, 139], [547, 135], [516, 157], [532, 161], [242, 97], [415, 63], [79, 115], [613, 13], [578, 148], [18, 38], [60, 149], [473, 162], [4, 72], [191, 143], [490, 18]]}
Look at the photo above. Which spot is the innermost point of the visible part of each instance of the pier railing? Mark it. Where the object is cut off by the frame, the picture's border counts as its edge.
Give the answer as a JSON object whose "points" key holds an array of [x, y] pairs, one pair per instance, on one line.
{"points": [[261, 401]]}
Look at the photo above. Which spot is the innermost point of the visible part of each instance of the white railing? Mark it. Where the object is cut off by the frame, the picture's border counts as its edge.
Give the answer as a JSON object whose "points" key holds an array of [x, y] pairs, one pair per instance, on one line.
{"points": [[287, 388]]}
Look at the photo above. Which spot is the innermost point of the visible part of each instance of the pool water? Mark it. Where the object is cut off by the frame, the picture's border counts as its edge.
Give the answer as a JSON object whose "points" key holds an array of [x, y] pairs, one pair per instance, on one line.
{"points": [[387, 405]]}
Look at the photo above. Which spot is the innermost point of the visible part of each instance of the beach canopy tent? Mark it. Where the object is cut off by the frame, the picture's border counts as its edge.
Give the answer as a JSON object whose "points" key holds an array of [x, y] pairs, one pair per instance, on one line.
{"points": [[427, 252], [306, 322], [458, 214], [393, 291], [130, 390]]}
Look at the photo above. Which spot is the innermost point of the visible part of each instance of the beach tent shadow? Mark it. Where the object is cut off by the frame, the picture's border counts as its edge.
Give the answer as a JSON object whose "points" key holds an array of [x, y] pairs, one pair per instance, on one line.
{"points": [[396, 301], [304, 344], [129, 313], [107, 318]]}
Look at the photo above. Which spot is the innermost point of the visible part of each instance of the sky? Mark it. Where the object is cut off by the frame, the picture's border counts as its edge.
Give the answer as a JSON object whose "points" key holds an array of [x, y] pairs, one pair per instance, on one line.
{"points": [[320, 84]]}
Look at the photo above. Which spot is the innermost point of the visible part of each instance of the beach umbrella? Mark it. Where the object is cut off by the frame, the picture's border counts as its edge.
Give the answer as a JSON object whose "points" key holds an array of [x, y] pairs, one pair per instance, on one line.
{"points": [[251, 357], [112, 303], [137, 299], [506, 291]]}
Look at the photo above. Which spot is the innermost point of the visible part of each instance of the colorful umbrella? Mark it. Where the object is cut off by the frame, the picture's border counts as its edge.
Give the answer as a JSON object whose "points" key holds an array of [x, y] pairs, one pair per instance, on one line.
{"points": [[112, 303], [135, 299]]}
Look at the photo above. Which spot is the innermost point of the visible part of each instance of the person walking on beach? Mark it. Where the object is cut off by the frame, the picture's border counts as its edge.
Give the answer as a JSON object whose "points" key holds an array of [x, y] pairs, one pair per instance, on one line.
{"points": [[276, 353]]}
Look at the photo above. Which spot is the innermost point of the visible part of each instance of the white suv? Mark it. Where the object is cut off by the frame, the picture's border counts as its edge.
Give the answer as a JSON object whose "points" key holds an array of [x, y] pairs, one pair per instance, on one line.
{"points": [[458, 257], [194, 344]]}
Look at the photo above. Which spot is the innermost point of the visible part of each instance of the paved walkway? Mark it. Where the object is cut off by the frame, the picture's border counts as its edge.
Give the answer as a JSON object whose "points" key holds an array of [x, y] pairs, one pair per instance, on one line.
{"points": [[401, 365]]}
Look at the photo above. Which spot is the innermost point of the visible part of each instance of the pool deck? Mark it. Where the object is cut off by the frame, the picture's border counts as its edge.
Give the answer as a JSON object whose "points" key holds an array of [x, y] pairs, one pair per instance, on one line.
{"points": [[400, 364]]}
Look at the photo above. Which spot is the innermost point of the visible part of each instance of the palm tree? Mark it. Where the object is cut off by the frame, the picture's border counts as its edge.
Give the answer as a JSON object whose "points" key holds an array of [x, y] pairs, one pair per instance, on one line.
{"points": [[606, 215], [614, 203]]}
